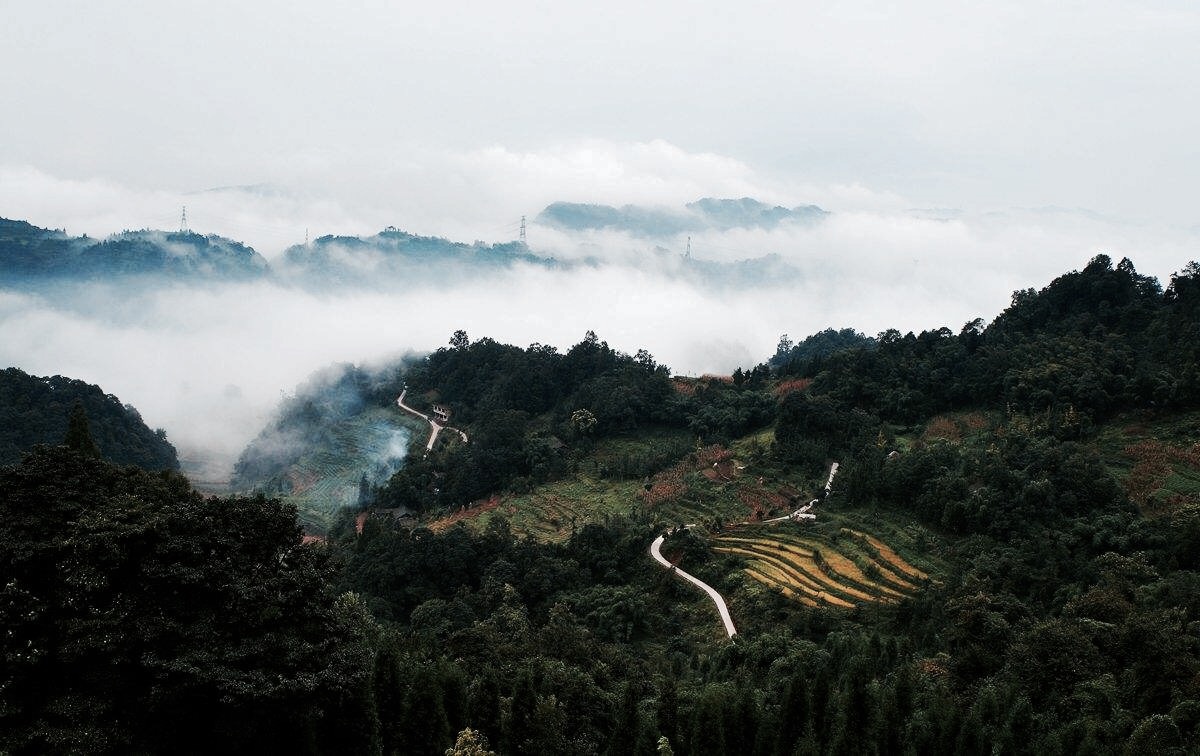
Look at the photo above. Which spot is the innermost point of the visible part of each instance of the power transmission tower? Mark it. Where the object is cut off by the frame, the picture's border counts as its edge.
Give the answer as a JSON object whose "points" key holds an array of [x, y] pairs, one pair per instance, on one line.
{"points": [[183, 220], [688, 255], [522, 229]]}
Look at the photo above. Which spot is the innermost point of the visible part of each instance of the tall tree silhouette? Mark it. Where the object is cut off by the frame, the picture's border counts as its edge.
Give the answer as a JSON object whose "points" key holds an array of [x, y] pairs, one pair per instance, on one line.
{"points": [[79, 433]]}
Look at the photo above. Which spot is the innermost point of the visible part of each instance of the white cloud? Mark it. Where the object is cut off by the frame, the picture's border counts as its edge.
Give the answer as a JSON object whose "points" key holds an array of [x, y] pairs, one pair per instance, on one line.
{"points": [[209, 364]]}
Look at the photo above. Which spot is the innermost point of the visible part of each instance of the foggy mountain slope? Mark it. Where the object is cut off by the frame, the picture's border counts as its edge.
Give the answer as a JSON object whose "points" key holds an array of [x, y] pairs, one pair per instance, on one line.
{"points": [[724, 214], [35, 410], [26, 250], [206, 358], [394, 257], [707, 214], [337, 433], [394, 254], [30, 254], [1060, 354], [31, 257]]}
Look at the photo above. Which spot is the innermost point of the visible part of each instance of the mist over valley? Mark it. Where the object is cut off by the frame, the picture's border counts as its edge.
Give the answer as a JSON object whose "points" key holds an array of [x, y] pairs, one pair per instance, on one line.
{"points": [[205, 335]]}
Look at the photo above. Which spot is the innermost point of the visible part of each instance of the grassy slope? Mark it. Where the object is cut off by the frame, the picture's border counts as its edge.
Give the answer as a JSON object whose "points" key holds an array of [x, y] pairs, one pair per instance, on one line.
{"points": [[1153, 456], [326, 480], [596, 489]]}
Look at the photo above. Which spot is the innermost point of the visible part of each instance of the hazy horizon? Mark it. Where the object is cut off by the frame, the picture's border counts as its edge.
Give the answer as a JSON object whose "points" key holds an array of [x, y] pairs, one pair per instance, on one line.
{"points": [[963, 153]]}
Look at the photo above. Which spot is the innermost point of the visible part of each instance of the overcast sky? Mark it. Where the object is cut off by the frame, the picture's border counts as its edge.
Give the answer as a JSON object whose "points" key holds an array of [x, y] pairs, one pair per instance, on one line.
{"points": [[966, 150], [976, 105]]}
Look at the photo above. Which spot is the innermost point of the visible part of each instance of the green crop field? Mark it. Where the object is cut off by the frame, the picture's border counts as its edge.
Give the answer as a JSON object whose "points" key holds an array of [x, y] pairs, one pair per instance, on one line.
{"points": [[553, 511], [324, 481]]}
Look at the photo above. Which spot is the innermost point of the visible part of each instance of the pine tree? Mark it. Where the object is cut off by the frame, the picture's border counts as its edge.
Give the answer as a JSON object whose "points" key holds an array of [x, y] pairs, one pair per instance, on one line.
{"points": [[79, 433], [388, 696], [794, 716], [426, 727], [668, 710], [708, 722], [624, 734], [518, 732]]}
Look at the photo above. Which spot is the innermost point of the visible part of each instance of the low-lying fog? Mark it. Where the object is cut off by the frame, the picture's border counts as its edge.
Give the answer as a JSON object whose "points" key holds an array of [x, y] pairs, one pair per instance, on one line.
{"points": [[208, 362]]}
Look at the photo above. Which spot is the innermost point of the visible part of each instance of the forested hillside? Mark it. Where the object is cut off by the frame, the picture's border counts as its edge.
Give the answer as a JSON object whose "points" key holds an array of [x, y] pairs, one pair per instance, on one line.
{"points": [[36, 410], [1098, 341], [536, 413], [38, 259], [1041, 468], [394, 255], [1004, 558]]}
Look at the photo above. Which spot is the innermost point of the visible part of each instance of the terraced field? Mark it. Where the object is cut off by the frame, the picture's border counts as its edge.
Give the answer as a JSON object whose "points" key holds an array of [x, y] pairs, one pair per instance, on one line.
{"points": [[325, 480], [700, 488], [554, 510], [850, 569]]}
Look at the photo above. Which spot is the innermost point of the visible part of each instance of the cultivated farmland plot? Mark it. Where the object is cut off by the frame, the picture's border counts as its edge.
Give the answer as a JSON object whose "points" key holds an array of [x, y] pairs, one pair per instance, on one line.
{"points": [[853, 569], [554, 510], [326, 481]]}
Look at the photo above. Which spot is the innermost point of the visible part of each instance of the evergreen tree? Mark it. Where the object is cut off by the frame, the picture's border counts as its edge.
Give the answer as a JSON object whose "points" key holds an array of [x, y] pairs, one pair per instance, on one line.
{"points": [[79, 433], [625, 732], [668, 709], [708, 722], [389, 698], [795, 715], [519, 730], [426, 726]]}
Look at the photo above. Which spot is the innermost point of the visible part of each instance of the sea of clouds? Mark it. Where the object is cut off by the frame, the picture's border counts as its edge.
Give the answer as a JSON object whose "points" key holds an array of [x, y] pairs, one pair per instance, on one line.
{"points": [[209, 362]]}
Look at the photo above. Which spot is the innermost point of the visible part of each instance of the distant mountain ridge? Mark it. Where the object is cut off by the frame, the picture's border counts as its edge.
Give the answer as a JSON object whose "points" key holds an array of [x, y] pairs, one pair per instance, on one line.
{"points": [[705, 214], [396, 253], [30, 252], [34, 257]]}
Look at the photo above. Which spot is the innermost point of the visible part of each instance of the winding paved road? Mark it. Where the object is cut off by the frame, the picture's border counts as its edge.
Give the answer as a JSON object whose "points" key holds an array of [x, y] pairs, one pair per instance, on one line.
{"points": [[802, 513], [829, 483], [655, 551], [434, 426]]}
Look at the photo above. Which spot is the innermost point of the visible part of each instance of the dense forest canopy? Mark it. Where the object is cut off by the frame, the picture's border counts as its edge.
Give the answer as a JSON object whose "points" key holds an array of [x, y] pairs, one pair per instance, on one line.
{"points": [[35, 410], [1098, 341], [142, 618]]}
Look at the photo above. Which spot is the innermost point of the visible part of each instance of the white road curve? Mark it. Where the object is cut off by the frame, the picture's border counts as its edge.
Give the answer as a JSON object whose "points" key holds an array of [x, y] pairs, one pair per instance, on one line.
{"points": [[434, 427], [655, 551], [800, 514], [804, 513], [832, 471]]}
